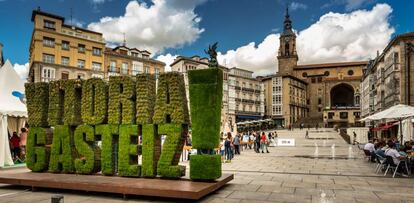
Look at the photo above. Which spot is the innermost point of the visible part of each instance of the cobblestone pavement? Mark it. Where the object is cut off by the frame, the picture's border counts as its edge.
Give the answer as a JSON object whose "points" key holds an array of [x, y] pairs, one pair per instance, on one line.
{"points": [[332, 172]]}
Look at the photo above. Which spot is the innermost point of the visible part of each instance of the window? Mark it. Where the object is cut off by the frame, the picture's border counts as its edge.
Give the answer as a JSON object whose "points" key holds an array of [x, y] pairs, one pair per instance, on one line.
{"points": [[326, 73], [343, 115], [97, 51], [319, 79], [304, 74], [81, 63], [96, 66], [313, 80], [48, 42], [81, 76], [124, 68], [65, 45], [350, 72], [319, 101], [319, 109], [331, 115], [65, 75], [81, 48], [112, 66], [48, 74], [64, 61], [48, 58], [135, 69], [157, 73], [49, 24], [147, 70]]}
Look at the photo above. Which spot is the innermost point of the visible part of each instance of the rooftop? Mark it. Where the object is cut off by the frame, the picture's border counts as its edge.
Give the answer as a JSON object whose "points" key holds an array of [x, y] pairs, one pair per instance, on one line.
{"points": [[332, 65]]}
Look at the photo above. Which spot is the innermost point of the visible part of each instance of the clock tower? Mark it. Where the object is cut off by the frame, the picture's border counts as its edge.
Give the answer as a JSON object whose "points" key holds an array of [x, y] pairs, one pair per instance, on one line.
{"points": [[287, 56]]}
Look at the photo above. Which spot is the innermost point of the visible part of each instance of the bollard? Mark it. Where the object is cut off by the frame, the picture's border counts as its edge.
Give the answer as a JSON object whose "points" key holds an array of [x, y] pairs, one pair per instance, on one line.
{"points": [[57, 198]]}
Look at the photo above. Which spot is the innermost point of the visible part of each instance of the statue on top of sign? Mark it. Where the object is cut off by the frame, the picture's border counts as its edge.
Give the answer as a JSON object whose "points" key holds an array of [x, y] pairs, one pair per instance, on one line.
{"points": [[212, 62]]}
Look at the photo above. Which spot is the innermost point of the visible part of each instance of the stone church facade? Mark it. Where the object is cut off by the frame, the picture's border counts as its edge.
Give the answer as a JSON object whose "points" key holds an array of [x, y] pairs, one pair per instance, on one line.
{"points": [[329, 93]]}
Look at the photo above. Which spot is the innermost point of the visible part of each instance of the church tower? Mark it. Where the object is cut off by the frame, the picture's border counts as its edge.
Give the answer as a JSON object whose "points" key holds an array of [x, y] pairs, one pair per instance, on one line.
{"points": [[287, 56]]}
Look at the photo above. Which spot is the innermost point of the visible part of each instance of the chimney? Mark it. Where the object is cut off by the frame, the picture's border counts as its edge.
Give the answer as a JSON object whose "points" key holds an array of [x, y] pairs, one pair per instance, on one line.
{"points": [[1, 55], [377, 53]]}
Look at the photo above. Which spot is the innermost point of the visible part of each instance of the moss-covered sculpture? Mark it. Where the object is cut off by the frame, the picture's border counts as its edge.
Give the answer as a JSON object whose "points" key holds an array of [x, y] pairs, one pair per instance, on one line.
{"points": [[61, 155], [37, 157], [37, 97], [171, 151], [205, 167], [145, 90], [171, 103], [151, 149], [87, 162], [109, 136], [94, 101], [121, 106], [128, 151]]}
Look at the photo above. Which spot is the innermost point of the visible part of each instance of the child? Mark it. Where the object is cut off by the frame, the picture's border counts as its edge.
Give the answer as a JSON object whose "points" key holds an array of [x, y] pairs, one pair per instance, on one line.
{"points": [[222, 149]]}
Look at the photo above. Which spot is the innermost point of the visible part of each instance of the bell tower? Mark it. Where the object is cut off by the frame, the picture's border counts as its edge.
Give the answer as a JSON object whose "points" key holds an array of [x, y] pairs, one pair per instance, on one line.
{"points": [[287, 56]]}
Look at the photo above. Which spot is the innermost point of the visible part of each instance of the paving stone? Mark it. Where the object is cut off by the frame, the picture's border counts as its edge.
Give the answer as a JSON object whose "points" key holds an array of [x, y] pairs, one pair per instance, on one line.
{"points": [[250, 195]]}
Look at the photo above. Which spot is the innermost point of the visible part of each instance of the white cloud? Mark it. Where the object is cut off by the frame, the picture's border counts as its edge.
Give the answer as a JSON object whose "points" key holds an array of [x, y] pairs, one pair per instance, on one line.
{"points": [[167, 59], [164, 24], [349, 4], [22, 70], [335, 37], [297, 6]]}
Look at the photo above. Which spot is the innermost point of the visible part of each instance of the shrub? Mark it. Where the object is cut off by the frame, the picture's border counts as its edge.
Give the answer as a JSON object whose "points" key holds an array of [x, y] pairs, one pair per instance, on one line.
{"points": [[171, 103], [151, 149], [145, 88], [171, 151], [37, 96], [108, 134], [37, 157], [121, 107], [61, 156], [128, 151], [94, 101], [84, 139], [205, 167], [206, 93]]}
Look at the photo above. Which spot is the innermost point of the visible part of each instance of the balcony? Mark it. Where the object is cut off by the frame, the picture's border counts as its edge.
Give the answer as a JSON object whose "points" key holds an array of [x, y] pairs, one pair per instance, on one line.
{"points": [[113, 69]]}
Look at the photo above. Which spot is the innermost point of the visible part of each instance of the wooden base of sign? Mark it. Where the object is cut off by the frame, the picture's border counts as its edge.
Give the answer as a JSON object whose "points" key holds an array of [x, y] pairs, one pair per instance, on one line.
{"points": [[182, 188]]}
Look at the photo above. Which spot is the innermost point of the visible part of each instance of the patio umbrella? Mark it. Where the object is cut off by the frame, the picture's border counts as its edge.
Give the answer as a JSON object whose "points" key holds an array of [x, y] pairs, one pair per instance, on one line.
{"points": [[399, 112]]}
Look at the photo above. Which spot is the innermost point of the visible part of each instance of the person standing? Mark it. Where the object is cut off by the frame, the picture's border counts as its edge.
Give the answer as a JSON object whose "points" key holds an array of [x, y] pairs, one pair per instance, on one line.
{"points": [[15, 143], [236, 143], [263, 142], [222, 148], [23, 140], [257, 143], [252, 141], [227, 148]]}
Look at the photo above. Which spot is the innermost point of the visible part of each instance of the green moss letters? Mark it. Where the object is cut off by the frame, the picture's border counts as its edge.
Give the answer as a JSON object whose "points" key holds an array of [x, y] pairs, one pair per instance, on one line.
{"points": [[94, 101], [170, 155], [205, 167], [37, 97], [145, 98], [109, 136], [121, 108], [37, 157], [84, 139], [61, 156], [128, 151], [151, 149]]}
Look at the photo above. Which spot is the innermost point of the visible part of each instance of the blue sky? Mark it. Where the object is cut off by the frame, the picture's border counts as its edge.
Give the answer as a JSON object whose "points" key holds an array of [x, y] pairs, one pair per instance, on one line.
{"points": [[233, 23]]}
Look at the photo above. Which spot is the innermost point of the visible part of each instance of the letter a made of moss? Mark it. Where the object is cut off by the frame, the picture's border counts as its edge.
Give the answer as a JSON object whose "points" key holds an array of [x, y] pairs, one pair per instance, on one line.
{"points": [[94, 101], [206, 94], [61, 155], [121, 107], [171, 151], [37, 96], [37, 157], [65, 102], [109, 135], [171, 103], [84, 138], [145, 88], [128, 151], [151, 149]]}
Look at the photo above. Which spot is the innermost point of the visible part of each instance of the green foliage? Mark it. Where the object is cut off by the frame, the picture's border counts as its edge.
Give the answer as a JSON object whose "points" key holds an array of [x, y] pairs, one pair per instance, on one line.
{"points": [[128, 151], [205, 167], [121, 107], [37, 96], [87, 162], [61, 156], [145, 88], [37, 157], [108, 154], [65, 102], [171, 103], [206, 94], [151, 149], [171, 151], [94, 101]]}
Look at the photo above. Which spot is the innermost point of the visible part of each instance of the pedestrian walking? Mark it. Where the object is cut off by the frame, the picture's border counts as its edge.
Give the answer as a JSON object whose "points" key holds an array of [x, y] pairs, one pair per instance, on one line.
{"points": [[236, 143], [263, 142], [227, 148], [257, 143]]}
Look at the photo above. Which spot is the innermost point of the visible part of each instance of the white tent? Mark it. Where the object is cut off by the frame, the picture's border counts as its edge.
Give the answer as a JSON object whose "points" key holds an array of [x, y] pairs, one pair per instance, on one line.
{"points": [[13, 112]]}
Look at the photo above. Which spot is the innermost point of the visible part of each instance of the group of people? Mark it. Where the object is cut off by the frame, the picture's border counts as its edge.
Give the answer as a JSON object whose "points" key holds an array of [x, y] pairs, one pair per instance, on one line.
{"points": [[259, 141], [389, 147], [18, 145]]}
